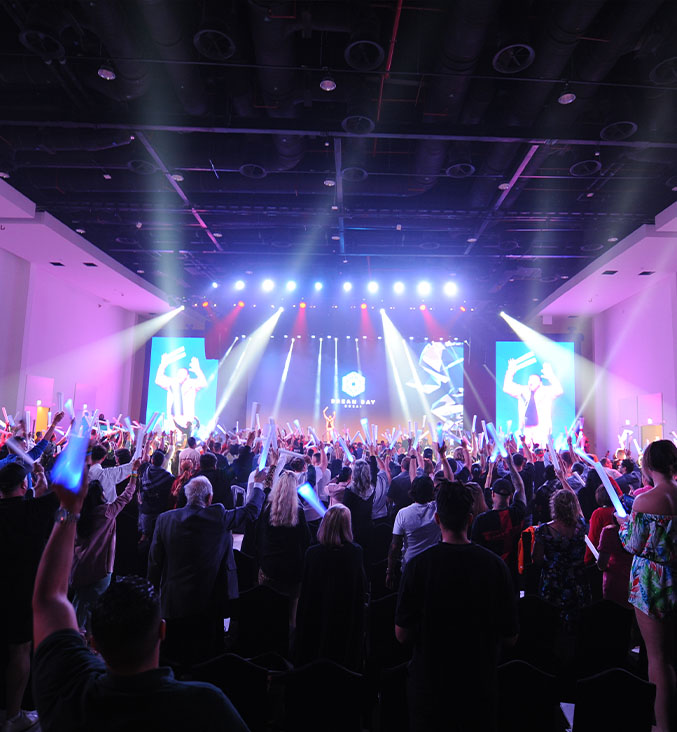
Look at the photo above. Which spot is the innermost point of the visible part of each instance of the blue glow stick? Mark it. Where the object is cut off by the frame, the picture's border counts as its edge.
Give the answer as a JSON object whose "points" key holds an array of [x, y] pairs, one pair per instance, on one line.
{"points": [[68, 406], [418, 437], [298, 426], [349, 455], [498, 442], [474, 423], [365, 426], [374, 434], [605, 481], [14, 446], [309, 496], [638, 448], [440, 435], [266, 448], [70, 464], [393, 442], [128, 425]]}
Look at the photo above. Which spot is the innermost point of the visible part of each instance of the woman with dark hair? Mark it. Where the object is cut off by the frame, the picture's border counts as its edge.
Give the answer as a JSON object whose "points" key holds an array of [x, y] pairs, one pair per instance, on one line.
{"points": [[541, 504], [330, 616], [559, 548], [650, 533], [337, 489], [380, 480], [415, 529], [95, 546]]}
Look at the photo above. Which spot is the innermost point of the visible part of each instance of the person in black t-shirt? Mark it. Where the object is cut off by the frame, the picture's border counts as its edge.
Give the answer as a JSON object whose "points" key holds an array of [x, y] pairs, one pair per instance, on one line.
{"points": [[500, 529], [124, 688], [456, 605]]}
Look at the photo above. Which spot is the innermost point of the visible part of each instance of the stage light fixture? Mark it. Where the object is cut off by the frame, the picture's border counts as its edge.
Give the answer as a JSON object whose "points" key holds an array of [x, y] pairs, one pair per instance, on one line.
{"points": [[327, 84], [215, 285], [240, 304], [302, 305], [372, 287], [267, 285], [363, 306], [422, 308], [239, 285], [347, 286], [398, 288], [450, 288], [205, 304], [318, 286], [424, 288], [106, 72], [291, 286], [462, 308], [566, 96]]}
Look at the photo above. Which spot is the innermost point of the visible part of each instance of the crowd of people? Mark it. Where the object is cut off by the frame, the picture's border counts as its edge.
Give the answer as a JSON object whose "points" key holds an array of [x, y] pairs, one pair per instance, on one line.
{"points": [[137, 564]]}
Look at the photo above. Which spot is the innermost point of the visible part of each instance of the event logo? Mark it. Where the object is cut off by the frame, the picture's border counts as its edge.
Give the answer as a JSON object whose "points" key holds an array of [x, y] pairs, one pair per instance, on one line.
{"points": [[353, 384]]}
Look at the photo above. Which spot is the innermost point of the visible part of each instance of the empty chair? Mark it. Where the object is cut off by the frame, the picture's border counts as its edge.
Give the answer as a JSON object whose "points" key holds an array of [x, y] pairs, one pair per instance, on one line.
{"points": [[539, 623], [614, 699], [243, 682], [324, 696], [603, 638], [384, 648], [393, 710], [263, 622], [527, 699], [246, 570]]}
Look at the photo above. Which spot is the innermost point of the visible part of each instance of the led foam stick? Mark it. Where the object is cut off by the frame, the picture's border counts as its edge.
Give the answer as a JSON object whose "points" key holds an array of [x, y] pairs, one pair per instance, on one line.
{"points": [[554, 458], [374, 434], [14, 446], [314, 434], [139, 444], [481, 440], [3, 424], [393, 442], [592, 547], [409, 430], [68, 406], [4, 414], [637, 447], [255, 409], [415, 429], [349, 455], [365, 426], [273, 427], [128, 425], [59, 401], [11, 421], [266, 448], [440, 435], [423, 423], [474, 423], [289, 429], [309, 496], [497, 440], [297, 424], [606, 482], [418, 437], [237, 426], [358, 437], [27, 422], [258, 421], [71, 462]]}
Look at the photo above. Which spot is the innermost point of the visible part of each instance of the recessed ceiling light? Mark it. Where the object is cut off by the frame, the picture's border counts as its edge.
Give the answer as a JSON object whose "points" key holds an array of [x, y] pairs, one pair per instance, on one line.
{"points": [[329, 182], [218, 235], [503, 186], [106, 72], [139, 224], [612, 239], [107, 176], [140, 271], [589, 194], [4, 174], [567, 96], [335, 237], [471, 239], [177, 177], [80, 231], [327, 83]]}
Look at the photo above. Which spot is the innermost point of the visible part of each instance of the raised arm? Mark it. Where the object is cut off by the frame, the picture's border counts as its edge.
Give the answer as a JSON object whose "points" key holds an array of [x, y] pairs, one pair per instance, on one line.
{"points": [[509, 386], [236, 518], [200, 381], [517, 481], [555, 386], [57, 418], [446, 468], [161, 378]]}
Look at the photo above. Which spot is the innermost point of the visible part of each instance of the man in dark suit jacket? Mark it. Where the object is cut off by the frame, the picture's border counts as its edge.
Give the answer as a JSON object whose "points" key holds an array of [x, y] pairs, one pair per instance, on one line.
{"points": [[191, 561]]}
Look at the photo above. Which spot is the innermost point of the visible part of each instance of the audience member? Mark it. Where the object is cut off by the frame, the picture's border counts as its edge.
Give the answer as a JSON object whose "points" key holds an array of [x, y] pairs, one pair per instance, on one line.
{"points": [[359, 499], [155, 486]]}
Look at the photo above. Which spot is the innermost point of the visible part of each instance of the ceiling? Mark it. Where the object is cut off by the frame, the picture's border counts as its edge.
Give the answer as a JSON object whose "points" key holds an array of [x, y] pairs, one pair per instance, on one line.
{"points": [[214, 154]]}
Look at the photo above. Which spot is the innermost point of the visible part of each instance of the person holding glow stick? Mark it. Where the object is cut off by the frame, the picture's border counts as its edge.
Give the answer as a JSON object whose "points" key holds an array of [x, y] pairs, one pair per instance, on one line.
{"points": [[650, 534]]}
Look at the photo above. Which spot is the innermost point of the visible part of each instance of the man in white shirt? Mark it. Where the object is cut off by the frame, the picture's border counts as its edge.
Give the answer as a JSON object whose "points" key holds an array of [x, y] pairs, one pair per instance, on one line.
{"points": [[322, 474], [181, 389], [108, 477], [190, 453]]}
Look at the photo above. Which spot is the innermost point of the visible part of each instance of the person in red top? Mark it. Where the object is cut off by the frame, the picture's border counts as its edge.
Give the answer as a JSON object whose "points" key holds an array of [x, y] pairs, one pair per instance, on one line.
{"points": [[601, 517]]}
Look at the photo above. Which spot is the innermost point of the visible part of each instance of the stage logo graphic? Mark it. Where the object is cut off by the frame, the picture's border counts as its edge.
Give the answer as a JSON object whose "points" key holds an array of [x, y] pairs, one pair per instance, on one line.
{"points": [[353, 384]]}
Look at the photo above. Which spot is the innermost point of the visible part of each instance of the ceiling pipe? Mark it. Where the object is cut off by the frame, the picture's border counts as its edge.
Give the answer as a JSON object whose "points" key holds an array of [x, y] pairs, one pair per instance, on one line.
{"points": [[168, 33]]}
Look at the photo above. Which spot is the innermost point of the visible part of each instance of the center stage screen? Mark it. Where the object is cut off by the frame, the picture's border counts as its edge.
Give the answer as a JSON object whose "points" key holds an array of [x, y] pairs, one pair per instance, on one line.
{"points": [[535, 389], [299, 379]]}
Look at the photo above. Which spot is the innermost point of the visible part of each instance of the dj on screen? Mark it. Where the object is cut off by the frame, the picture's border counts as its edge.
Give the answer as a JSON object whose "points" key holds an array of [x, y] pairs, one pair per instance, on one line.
{"points": [[534, 400], [181, 388]]}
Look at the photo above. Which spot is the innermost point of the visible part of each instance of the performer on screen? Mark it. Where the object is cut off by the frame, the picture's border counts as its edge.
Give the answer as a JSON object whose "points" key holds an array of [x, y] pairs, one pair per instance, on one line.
{"points": [[534, 400], [329, 420], [181, 389]]}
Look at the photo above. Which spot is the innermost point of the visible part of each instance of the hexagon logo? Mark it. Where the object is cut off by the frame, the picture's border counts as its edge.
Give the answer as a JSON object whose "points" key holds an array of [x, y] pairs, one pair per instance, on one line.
{"points": [[353, 384]]}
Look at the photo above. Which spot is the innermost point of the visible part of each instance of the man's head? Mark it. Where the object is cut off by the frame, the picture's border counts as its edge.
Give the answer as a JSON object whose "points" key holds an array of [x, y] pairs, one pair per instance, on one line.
{"points": [[126, 625], [207, 461], [191, 443], [428, 453], [182, 375], [534, 382], [626, 466], [157, 458], [502, 491], [298, 465], [198, 491], [405, 464], [317, 458], [13, 480], [518, 461], [422, 489], [99, 452], [454, 504]]}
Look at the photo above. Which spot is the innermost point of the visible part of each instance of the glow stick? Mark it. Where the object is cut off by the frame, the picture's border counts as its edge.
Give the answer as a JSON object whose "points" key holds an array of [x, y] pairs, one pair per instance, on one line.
{"points": [[237, 426], [266, 448], [365, 426], [393, 442], [149, 426], [592, 547], [554, 458], [481, 440], [409, 431], [417, 438], [309, 496], [415, 428], [358, 437], [4, 414], [14, 446], [374, 434], [440, 435], [423, 423], [525, 357], [218, 427], [70, 464], [637, 447], [128, 425], [255, 409], [297, 424], [3, 424], [497, 440], [27, 422], [10, 419], [314, 434], [606, 482], [68, 406], [59, 401], [349, 455], [474, 423], [95, 418], [258, 421], [289, 429], [139, 444]]}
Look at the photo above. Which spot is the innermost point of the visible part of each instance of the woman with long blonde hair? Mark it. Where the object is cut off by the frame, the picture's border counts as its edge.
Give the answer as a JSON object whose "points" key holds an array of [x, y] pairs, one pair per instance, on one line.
{"points": [[282, 537]]}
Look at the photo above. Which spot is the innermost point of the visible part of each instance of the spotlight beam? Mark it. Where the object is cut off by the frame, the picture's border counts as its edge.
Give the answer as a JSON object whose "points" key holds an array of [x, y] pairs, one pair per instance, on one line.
{"points": [[283, 380]]}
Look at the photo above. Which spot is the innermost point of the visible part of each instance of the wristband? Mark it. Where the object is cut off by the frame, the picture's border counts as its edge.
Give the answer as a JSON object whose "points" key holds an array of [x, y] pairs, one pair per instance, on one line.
{"points": [[134, 475], [64, 516]]}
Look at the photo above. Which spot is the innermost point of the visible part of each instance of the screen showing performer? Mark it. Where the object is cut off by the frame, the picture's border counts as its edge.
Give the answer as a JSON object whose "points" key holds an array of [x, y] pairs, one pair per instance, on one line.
{"points": [[181, 383], [535, 389]]}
